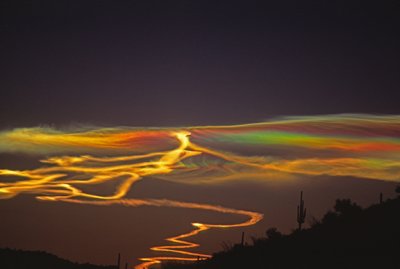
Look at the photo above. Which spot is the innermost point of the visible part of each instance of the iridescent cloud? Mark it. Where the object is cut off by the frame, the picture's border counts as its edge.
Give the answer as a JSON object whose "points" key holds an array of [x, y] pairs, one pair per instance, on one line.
{"points": [[362, 146]]}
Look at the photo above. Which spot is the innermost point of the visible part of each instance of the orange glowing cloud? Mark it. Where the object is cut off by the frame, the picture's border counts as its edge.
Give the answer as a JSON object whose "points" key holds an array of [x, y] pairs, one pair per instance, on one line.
{"points": [[361, 146]]}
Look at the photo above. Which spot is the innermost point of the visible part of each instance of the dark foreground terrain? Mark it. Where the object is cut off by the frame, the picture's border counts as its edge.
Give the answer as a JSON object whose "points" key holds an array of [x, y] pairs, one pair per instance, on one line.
{"points": [[20, 259], [346, 237]]}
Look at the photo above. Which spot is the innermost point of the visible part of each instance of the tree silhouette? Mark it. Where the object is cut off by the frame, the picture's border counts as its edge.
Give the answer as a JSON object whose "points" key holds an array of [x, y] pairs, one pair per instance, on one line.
{"points": [[273, 233], [398, 190], [346, 207]]}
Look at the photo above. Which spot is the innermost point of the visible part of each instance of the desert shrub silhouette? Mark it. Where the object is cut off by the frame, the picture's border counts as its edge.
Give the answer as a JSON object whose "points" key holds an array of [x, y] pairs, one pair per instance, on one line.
{"points": [[346, 237]]}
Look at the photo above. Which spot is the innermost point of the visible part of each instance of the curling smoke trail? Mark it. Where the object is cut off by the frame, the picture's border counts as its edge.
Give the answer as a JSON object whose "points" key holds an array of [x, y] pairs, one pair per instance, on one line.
{"points": [[361, 146], [52, 184], [180, 246]]}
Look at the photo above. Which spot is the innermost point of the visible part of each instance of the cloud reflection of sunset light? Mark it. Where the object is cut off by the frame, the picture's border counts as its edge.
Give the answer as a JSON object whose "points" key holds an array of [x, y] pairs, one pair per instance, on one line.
{"points": [[361, 146]]}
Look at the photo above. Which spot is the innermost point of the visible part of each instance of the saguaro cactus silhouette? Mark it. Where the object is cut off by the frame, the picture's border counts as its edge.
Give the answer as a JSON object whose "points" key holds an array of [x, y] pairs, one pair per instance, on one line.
{"points": [[301, 211]]}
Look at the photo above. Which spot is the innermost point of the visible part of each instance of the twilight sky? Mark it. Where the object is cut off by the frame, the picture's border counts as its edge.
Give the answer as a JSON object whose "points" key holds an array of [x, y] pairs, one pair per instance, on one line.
{"points": [[163, 63], [81, 66]]}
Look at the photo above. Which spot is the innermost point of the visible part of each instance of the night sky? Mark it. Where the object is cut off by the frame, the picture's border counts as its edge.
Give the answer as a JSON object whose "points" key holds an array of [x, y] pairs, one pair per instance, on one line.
{"points": [[187, 63], [167, 63]]}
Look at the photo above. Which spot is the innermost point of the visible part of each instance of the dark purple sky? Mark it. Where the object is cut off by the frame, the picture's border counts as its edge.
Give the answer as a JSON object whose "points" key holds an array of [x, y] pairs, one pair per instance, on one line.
{"points": [[168, 63], [195, 62]]}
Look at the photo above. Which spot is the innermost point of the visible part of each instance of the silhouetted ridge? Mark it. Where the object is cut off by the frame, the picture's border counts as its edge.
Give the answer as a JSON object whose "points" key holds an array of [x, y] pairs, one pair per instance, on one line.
{"points": [[21, 259], [346, 237]]}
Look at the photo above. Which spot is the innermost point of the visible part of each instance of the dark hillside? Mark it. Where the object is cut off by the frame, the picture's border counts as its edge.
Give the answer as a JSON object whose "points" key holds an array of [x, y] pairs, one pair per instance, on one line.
{"points": [[347, 237], [21, 259]]}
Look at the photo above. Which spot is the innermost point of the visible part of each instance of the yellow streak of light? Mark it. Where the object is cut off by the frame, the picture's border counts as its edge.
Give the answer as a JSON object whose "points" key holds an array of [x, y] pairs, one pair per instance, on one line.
{"points": [[55, 183], [179, 244]]}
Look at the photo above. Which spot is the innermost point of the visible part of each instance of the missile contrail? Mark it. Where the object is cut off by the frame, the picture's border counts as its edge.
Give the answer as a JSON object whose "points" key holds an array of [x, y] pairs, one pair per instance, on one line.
{"points": [[362, 146]]}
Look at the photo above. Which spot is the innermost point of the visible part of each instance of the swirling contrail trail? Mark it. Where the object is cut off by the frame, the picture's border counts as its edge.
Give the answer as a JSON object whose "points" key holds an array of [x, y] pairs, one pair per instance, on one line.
{"points": [[52, 184], [362, 146], [180, 245]]}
